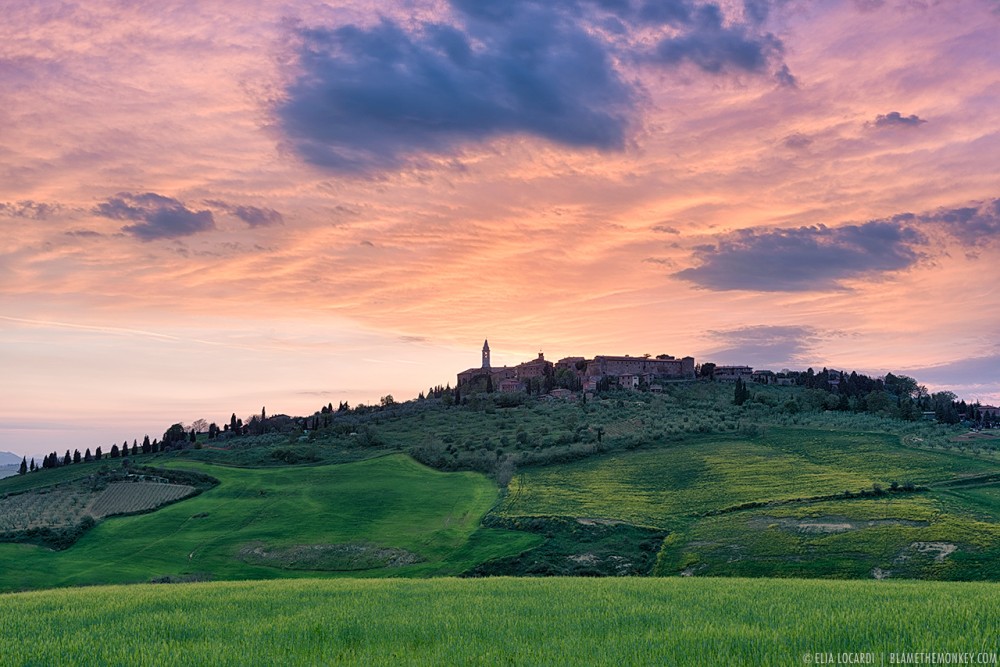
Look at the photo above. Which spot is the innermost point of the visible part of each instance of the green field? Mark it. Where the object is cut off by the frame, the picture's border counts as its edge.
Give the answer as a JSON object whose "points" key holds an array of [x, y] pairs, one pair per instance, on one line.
{"points": [[497, 622], [388, 516], [696, 489], [666, 486]]}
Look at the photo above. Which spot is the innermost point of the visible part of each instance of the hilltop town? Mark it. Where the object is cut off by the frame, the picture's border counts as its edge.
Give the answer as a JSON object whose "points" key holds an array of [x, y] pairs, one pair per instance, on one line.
{"points": [[570, 375], [603, 371]]}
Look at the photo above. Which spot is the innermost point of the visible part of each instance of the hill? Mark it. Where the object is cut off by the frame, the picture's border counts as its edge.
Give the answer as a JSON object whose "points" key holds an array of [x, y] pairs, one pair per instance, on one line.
{"points": [[386, 516], [629, 483], [9, 459], [505, 621]]}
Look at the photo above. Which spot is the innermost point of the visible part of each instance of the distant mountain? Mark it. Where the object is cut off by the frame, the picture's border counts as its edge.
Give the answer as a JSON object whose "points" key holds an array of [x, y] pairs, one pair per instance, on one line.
{"points": [[8, 459]]}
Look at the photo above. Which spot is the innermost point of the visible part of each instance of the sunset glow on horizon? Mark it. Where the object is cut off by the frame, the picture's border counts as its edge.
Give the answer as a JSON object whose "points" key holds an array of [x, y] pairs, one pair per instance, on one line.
{"points": [[218, 206]]}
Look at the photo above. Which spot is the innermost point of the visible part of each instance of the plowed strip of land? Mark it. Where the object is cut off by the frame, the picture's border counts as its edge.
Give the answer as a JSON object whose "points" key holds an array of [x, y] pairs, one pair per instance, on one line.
{"points": [[129, 497]]}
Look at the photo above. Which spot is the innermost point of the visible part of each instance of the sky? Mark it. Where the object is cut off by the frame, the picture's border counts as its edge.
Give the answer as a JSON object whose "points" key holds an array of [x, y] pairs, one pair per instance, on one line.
{"points": [[212, 207]]}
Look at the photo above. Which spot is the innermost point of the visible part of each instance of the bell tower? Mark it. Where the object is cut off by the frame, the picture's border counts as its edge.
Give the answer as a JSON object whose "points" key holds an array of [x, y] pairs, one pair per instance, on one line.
{"points": [[486, 354]]}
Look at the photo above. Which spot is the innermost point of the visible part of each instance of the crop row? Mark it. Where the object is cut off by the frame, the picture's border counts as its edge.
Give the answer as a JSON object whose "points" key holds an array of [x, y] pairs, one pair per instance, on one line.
{"points": [[55, 508], [129, 497]]}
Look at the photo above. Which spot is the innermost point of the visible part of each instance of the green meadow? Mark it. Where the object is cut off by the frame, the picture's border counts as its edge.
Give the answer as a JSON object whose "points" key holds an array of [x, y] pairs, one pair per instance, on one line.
{"points": [[665, 486], [388, 514], [738, 506], [498, 621]]}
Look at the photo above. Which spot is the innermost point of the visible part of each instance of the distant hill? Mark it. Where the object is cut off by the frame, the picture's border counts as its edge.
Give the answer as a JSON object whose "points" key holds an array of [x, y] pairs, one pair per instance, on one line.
{"points": [[8, 459]]}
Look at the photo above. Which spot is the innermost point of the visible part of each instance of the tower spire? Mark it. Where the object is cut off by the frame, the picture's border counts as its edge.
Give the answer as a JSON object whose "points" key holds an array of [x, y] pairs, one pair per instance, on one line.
{"points": [[486, 354]]}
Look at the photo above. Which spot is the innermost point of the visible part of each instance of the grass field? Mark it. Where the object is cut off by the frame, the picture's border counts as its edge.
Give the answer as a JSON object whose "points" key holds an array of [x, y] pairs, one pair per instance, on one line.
{"points": [[665, 486], [380, 507], [908, 537], [951, 531], [498, 622]]}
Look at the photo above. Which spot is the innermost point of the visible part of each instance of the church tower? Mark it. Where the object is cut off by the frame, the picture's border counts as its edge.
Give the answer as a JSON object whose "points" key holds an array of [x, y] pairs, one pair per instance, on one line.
{"points": [[486, 354]]}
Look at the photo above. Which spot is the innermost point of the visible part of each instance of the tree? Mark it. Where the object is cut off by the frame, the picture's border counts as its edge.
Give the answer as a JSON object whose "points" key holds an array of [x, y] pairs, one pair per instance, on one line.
{"points": [[147, 447], [97, 454], [194, 436], [708, 370], [23, 470], [67, 459], [76, 456], [175, 433], [87, 456], [32, 467], [114, 452], [741, 393]]}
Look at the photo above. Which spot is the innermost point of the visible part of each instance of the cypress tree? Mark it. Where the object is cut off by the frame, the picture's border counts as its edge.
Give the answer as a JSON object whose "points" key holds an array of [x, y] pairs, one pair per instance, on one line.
{"points": [[76, 456], [23, 470], [97, 454], [33, 467]]}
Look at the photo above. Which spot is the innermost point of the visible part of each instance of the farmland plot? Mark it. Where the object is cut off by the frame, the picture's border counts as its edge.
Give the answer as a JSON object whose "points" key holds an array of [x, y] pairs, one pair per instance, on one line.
{"points": [[55, 508], [130, 497]]}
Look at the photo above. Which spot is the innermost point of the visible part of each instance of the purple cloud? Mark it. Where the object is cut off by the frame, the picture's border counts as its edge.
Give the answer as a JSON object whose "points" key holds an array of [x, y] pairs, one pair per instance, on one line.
{"points": [[369, 98], [896, 119], [156, 216]]}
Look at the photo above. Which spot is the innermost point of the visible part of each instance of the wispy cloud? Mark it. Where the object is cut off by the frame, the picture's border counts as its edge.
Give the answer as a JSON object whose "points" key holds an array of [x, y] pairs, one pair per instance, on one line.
{"points": [[896, 119], [254, 216], [803, 258], [33, 210], [155, 216], [764, 346], [820, 258]]}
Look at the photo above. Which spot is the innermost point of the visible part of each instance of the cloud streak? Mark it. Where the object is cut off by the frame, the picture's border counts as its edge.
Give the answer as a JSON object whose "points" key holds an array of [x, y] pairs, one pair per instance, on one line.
{"points": [[896, 119], [253, 216], [803, 258], [820, 258], [764, 346], [155, 216]]}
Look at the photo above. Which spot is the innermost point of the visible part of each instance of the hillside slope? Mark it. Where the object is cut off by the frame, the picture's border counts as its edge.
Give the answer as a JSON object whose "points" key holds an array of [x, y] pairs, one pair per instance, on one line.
{"points": [[384, 516], [790, 502]]}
